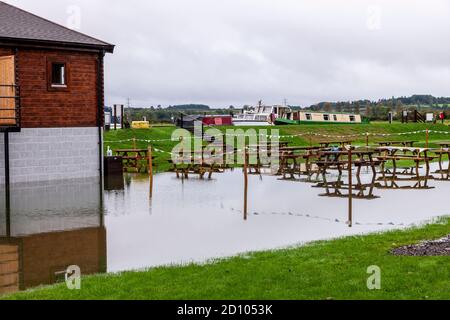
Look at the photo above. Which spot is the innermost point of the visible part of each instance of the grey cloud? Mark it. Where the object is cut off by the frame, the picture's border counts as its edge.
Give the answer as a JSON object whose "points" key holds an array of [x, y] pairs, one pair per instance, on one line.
{"points": [[238, 51]]}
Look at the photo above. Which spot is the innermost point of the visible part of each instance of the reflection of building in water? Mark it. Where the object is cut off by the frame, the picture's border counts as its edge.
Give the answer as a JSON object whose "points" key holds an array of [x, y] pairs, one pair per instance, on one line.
{"points": [[341, 189], [114, 182], [404, 178], [38, 259], [56, 205], [48, 228]]}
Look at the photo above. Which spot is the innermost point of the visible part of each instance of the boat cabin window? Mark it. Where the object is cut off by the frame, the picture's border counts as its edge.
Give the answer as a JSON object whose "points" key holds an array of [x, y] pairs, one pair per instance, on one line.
{"points": [[308, 116], [326, 117], [352, 118], [335, 117]]}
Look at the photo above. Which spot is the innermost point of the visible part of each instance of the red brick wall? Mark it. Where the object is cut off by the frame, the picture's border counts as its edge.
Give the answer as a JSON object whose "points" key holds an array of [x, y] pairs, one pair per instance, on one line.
{"points": [[5, 52], [41, 108]]}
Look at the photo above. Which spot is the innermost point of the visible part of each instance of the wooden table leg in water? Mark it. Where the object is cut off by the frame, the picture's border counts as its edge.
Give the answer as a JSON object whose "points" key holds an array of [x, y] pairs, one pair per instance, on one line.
{"points": [[245, 185], [150, 169], [350, 189]]}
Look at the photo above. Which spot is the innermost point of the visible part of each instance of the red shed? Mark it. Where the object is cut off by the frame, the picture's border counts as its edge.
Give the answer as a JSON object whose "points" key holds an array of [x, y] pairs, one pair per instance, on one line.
{"points": [[218, 120]]}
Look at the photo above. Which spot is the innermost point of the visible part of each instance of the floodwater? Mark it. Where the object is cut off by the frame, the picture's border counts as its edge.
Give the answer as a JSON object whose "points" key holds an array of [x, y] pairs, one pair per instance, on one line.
{"points": [[58, 224]]}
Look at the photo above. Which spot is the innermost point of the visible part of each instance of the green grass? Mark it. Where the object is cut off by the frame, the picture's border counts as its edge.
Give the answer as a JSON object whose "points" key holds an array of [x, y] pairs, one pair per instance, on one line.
{"points": [[335, 130], [334, 269]]}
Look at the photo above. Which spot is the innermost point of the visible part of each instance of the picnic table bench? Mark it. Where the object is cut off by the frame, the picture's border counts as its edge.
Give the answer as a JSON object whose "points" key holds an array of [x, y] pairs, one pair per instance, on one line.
{"points": [[292, 158], [195, 163], [334, 159], [133, 159], [416, 155]]}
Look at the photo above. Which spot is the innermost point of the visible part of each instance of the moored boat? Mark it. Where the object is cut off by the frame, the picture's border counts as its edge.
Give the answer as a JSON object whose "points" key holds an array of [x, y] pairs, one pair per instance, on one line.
{"points": [[311, 117]]}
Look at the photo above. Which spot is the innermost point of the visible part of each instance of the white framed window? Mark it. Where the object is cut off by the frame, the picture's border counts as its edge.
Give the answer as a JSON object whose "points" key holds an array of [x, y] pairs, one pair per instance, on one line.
{"points": [[59, 74]]}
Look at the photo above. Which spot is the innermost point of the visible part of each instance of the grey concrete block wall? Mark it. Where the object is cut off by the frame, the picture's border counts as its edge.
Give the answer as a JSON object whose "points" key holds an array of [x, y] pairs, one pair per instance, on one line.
{"points": [[52, 154]]}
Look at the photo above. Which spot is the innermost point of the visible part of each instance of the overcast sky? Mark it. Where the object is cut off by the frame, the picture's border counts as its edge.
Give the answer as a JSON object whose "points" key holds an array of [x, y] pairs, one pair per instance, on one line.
{"points": [[236, 52]]}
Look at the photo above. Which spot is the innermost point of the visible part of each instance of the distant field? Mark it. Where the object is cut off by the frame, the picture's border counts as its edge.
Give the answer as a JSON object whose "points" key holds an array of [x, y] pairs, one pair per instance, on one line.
{"points": [[157, 133]]}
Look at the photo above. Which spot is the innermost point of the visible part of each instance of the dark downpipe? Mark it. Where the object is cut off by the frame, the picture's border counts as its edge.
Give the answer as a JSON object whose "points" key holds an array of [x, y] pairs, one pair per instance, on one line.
{"points": [[7, 186]]}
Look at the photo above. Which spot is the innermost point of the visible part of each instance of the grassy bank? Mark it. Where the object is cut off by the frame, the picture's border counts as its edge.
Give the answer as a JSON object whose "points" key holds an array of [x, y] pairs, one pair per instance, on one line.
{"points": [[324, 270], [160, 133]]}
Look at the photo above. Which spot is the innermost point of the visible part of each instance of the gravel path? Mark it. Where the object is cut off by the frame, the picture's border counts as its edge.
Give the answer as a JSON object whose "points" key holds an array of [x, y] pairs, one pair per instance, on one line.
{"points": [[439, 247]]}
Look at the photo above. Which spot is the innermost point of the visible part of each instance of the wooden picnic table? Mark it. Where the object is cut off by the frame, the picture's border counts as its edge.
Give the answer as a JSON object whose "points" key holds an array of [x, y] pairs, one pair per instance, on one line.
{"points": [[194, 163], [444, 144], [133, 158], [445, 173], [417, 155], [406, 143], [298, 148], [341, 143], [291, 159], [269, 145], [364, 158]]}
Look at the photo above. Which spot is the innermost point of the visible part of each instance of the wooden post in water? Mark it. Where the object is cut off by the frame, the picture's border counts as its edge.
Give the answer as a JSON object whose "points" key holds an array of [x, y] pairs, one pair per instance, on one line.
{"points": [[115, 117], [245, 183], [150, 169], [350, 188]]}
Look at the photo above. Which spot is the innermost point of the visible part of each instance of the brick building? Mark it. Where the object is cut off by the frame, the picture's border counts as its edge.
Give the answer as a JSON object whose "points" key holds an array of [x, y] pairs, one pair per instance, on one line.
{"points": [[51, 100]]}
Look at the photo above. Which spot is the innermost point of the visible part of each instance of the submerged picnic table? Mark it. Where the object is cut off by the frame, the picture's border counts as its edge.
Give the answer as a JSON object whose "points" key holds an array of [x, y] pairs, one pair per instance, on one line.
{"points": [[445, 173], [417, 155], [197, 162], [338, 159], [133, 159], [291, 160]]}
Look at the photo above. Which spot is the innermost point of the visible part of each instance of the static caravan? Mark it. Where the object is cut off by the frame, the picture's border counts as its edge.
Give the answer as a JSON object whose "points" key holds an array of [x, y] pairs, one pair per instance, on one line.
{"points": [[311, 117]]}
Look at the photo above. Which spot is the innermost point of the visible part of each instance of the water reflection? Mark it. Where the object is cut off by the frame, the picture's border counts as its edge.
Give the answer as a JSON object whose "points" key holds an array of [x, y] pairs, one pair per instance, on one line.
{"points": [[340, 188], [62, 223], [194, 220], [49, 227]]}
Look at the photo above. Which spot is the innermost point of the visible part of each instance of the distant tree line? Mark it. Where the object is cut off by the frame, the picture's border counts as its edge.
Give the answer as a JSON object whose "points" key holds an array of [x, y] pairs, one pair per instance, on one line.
{"points": [[187, 107], [168, 115], [379, 110], [372, 110]]}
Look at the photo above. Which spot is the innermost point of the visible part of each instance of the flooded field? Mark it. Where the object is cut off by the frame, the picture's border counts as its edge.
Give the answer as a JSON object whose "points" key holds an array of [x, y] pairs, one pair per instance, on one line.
{"points": [[69, 222]]}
